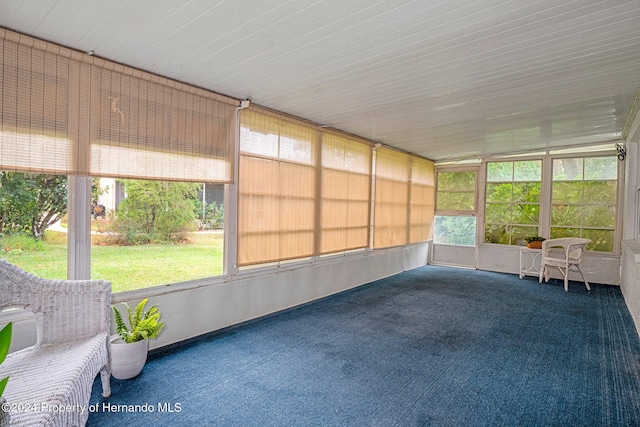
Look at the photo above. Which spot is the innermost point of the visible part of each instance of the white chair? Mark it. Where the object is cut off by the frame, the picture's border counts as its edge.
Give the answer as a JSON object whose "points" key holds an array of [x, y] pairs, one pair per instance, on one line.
{"points": [[572, 250], [73, 320]]}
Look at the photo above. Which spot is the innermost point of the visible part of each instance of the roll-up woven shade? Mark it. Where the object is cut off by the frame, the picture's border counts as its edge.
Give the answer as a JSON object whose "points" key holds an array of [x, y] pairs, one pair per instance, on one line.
{"points": [[276, 200], [345, 194], [34, 126], [147, 130], [391, 207], [404, 199], [66, 112], [422, 199]]}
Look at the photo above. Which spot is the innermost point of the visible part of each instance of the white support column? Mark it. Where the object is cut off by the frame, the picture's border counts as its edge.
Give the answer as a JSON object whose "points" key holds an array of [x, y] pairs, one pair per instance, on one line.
{"points": [[372, 205], [230, 263], [230, 229], [544, 227], [79, 236]]}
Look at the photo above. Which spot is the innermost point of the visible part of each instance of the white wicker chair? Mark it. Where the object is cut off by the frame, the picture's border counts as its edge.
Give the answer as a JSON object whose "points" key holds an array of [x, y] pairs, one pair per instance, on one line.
{"points": [[573, 249], [72, 324]]}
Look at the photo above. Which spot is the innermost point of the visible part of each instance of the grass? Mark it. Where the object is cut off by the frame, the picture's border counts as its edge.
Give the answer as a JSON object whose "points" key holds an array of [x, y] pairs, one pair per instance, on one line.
{"points": [[128, 267]]}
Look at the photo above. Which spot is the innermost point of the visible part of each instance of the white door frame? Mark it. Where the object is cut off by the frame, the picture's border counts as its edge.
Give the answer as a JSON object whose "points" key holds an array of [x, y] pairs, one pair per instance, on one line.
{"points": [[451, 254]]}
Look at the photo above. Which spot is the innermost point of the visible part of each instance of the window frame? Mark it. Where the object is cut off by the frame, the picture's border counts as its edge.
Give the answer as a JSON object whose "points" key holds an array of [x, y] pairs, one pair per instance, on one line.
{"points": [[541, 205], [544, 225], [460, 212], [617, 230], [476, 169]]}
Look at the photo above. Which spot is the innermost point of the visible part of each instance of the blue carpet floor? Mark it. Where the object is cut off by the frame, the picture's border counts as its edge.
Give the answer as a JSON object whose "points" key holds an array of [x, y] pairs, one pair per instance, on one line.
{"points": [[434, 346]]}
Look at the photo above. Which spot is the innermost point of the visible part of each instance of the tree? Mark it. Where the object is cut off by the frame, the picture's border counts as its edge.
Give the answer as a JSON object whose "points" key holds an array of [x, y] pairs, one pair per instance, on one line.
{"points": [[210, 217], [96, 189], [455, 230], [31, 202], [155, 211]]}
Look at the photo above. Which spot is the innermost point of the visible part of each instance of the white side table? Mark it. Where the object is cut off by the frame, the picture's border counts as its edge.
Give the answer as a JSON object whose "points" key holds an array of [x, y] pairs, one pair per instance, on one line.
{"points": [[530, 261]]}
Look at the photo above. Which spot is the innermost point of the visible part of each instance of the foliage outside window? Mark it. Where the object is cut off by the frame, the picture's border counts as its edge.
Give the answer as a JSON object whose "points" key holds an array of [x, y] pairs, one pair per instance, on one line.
{"points": [[456, 191], [70, 117], [155, 211], [512, 208], [584, 200], [151, 239], [455, 198], [30, 204], [153, 234], [455, 230]]}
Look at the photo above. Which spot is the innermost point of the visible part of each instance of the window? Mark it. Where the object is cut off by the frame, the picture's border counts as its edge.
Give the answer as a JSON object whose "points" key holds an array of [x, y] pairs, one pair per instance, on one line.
{"points": [[277, 190], [512, 208], [345, 194], [305, 192], [33, 231], [147, 233], [391, 199], [404, 199], [584, 200], [421, 200], [69, 115], [456, 191], [455, 207]]}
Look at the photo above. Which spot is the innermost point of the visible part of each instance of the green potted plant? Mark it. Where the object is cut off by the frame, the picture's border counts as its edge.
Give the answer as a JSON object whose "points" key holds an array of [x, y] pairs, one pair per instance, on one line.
{"points": [[535, 242], [130, 345], [5, 342]]}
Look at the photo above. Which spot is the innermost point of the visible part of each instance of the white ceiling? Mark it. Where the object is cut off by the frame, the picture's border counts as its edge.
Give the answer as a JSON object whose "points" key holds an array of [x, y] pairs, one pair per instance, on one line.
{"points": [[443, 79]]}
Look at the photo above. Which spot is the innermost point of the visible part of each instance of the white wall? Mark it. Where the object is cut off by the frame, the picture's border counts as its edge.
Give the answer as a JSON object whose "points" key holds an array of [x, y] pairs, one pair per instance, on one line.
{"points": [[189, 311], [630, 281], [597, 268], [192, 312], [630, 285], [199, 309]]}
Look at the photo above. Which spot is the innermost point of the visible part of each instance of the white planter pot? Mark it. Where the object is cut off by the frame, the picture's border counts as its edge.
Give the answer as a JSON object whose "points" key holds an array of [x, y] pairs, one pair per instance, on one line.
{"points": [[127, 360]]}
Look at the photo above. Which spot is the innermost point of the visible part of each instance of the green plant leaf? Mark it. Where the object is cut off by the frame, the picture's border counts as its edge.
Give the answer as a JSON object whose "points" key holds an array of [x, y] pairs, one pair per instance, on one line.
{"points": [[121, 328], [5, 341], [139, 314], [144, 325], [130, 317], [3, 384]]}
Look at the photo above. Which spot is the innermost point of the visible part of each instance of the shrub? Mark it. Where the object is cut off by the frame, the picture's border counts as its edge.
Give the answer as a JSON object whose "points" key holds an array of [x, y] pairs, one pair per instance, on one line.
{"points": [[212, 218], [155, 211]]}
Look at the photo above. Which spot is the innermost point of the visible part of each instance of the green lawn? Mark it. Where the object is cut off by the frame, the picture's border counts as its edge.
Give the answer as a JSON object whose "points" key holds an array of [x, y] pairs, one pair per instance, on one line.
{"points": [[130, 267]]}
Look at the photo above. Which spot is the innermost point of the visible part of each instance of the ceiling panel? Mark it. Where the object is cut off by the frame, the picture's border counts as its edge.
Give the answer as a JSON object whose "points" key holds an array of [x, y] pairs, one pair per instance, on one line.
{"points": [[444, 79]]}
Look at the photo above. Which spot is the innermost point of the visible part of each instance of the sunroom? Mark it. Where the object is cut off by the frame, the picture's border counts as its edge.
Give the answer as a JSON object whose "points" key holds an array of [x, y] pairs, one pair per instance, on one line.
{"points": [[338, 143]]}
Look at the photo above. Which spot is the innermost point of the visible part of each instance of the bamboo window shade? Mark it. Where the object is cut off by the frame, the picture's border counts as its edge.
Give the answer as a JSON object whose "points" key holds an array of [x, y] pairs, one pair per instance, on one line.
{"points": [[391, 207], [35, 133], [345, 194], [66, 112], [422, 200], [276, 189], [404, 199], [303, 191]]}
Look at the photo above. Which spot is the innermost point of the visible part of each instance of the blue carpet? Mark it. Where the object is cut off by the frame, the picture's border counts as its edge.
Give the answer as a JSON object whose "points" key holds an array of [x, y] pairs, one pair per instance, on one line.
{"points": [[434, 346]]}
